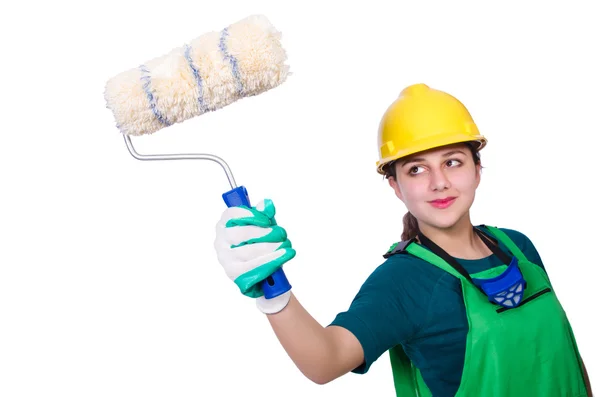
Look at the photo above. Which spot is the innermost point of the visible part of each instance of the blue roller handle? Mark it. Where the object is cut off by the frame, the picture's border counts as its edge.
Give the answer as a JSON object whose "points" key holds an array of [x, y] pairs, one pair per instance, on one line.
{"points": [[277, 283]]}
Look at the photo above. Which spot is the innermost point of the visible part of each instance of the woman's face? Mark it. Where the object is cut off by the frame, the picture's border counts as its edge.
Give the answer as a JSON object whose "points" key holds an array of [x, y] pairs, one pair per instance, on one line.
{"points": [[438, 186]]}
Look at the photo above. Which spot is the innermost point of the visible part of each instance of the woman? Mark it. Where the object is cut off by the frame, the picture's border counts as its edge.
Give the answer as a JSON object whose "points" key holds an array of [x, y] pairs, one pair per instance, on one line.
{"points": [[462, 310]]}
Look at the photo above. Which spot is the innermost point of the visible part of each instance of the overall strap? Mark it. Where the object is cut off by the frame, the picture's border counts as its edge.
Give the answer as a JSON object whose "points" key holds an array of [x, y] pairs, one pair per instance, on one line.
{"points": [[432, 253], [504, 239], [453, 262], [433, 258], [412, 247]]}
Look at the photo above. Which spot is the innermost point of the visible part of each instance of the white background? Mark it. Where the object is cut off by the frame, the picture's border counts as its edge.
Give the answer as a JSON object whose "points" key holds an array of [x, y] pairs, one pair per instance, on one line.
{"points": [[109, 285]]}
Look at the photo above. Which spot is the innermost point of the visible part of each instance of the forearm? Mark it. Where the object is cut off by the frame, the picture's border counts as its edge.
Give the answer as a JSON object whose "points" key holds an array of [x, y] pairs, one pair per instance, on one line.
{"points": [[312, 347], [249, 245]]}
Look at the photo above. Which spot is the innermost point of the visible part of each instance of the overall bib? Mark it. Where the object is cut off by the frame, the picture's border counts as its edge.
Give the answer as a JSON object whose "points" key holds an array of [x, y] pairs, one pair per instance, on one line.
{"points": [[525, 351]]}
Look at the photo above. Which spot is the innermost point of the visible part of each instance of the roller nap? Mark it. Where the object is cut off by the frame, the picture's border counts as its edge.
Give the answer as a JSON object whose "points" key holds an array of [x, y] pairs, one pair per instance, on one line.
{"points": [[206, 74]]}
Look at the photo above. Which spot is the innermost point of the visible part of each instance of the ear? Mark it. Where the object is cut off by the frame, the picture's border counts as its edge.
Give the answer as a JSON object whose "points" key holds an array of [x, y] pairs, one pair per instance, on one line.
{"points": [[394, 184], [478, 169]]}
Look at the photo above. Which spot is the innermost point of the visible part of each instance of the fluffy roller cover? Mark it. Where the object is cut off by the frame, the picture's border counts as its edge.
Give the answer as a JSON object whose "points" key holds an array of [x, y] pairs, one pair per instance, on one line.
{"points": [[206, 74]]}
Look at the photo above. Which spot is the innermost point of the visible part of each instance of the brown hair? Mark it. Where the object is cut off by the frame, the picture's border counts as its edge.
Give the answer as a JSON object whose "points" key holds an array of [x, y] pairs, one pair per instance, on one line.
{"points": [[409, 222]]}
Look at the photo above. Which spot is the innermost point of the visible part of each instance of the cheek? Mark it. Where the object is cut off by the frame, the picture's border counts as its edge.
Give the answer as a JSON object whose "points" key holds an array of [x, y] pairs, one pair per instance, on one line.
{"points": [[465, 182], [413, 189]]}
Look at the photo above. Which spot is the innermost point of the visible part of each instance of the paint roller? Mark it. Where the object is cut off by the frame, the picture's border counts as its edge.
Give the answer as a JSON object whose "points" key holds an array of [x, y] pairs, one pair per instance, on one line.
{"points": [[207, 73]]}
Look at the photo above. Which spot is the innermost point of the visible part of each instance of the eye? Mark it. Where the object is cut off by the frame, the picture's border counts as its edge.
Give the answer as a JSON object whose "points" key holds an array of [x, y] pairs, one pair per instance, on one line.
{"points": [[452, 163], [415, 170]]}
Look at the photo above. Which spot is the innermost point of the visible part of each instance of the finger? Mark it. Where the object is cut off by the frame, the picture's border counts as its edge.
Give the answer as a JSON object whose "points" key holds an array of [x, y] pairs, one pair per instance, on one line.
{"points": [[267, 207], [234, 213], [230, 249], [242, 217], [251, 251], [241, 267], [240, 235]]}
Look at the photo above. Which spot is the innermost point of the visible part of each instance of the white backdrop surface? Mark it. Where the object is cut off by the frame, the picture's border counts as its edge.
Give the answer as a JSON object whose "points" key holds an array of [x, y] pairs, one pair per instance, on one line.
{"points": [[109, 285]]}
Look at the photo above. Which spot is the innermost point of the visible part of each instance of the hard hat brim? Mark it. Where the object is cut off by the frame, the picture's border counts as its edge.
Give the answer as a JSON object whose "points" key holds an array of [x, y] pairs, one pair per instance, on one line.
{"points": [[432, 143]]}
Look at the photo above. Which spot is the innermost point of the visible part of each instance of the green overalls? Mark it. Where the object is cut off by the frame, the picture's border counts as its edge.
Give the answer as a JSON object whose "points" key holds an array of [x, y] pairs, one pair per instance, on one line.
{"points": [[525, 351]]}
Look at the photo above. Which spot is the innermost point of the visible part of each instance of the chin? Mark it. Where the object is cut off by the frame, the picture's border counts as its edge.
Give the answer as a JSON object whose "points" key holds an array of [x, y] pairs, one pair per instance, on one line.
{"points": [[444, 224], [443, 219]]}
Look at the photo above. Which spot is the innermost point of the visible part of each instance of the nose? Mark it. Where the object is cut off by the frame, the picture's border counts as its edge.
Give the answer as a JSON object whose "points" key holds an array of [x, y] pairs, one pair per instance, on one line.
{"points": [[439, 181]]}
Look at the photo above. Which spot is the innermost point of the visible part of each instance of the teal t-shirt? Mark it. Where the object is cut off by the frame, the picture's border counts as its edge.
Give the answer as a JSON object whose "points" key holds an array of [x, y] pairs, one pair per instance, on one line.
{"points": [[410, 302]]}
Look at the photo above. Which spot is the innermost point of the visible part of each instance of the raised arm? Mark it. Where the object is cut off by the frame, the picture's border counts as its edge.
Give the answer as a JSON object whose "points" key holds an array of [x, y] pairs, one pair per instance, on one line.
{"points": [[322, 354], [250, 246]]}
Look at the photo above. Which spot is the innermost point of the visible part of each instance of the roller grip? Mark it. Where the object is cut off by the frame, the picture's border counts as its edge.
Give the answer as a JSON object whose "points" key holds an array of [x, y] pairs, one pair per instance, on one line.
{"points": [[277, 283]]}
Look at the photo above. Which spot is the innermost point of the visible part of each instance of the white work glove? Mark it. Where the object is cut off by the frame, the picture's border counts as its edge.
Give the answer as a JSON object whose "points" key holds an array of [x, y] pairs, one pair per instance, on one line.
{"points": [[251, 246]]}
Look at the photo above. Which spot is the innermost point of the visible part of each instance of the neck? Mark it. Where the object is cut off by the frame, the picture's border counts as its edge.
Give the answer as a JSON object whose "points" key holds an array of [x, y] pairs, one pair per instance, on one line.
{"points": [[459, 240]]}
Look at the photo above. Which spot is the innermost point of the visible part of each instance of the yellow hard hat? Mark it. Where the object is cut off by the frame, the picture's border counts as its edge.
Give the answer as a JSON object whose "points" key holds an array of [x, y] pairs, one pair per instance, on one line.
{"points": [[423, 118]]}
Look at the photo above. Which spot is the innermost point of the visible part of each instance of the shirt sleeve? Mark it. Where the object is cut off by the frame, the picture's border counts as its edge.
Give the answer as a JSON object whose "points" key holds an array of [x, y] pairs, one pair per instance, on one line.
{"points": [[532, 253], [389, 308]]}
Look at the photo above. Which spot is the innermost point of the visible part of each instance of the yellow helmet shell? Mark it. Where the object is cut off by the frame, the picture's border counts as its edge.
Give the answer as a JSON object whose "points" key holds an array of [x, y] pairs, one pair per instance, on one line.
{"points": [[423, 118]]}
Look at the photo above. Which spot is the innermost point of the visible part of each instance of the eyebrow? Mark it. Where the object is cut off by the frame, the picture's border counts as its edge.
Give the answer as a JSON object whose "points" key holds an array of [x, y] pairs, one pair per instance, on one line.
{"points": [[417, 159]]}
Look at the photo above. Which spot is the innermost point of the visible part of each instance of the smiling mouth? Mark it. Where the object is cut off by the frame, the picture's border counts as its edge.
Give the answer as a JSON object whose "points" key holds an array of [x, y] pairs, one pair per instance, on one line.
{"points": [[443, 203]]}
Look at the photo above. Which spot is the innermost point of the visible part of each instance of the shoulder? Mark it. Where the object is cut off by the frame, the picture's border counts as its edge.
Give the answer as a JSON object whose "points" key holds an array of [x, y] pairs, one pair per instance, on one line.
{"points": [[524, 243], [518, 237], [403, 274], [398, 293], [405, 265]]}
